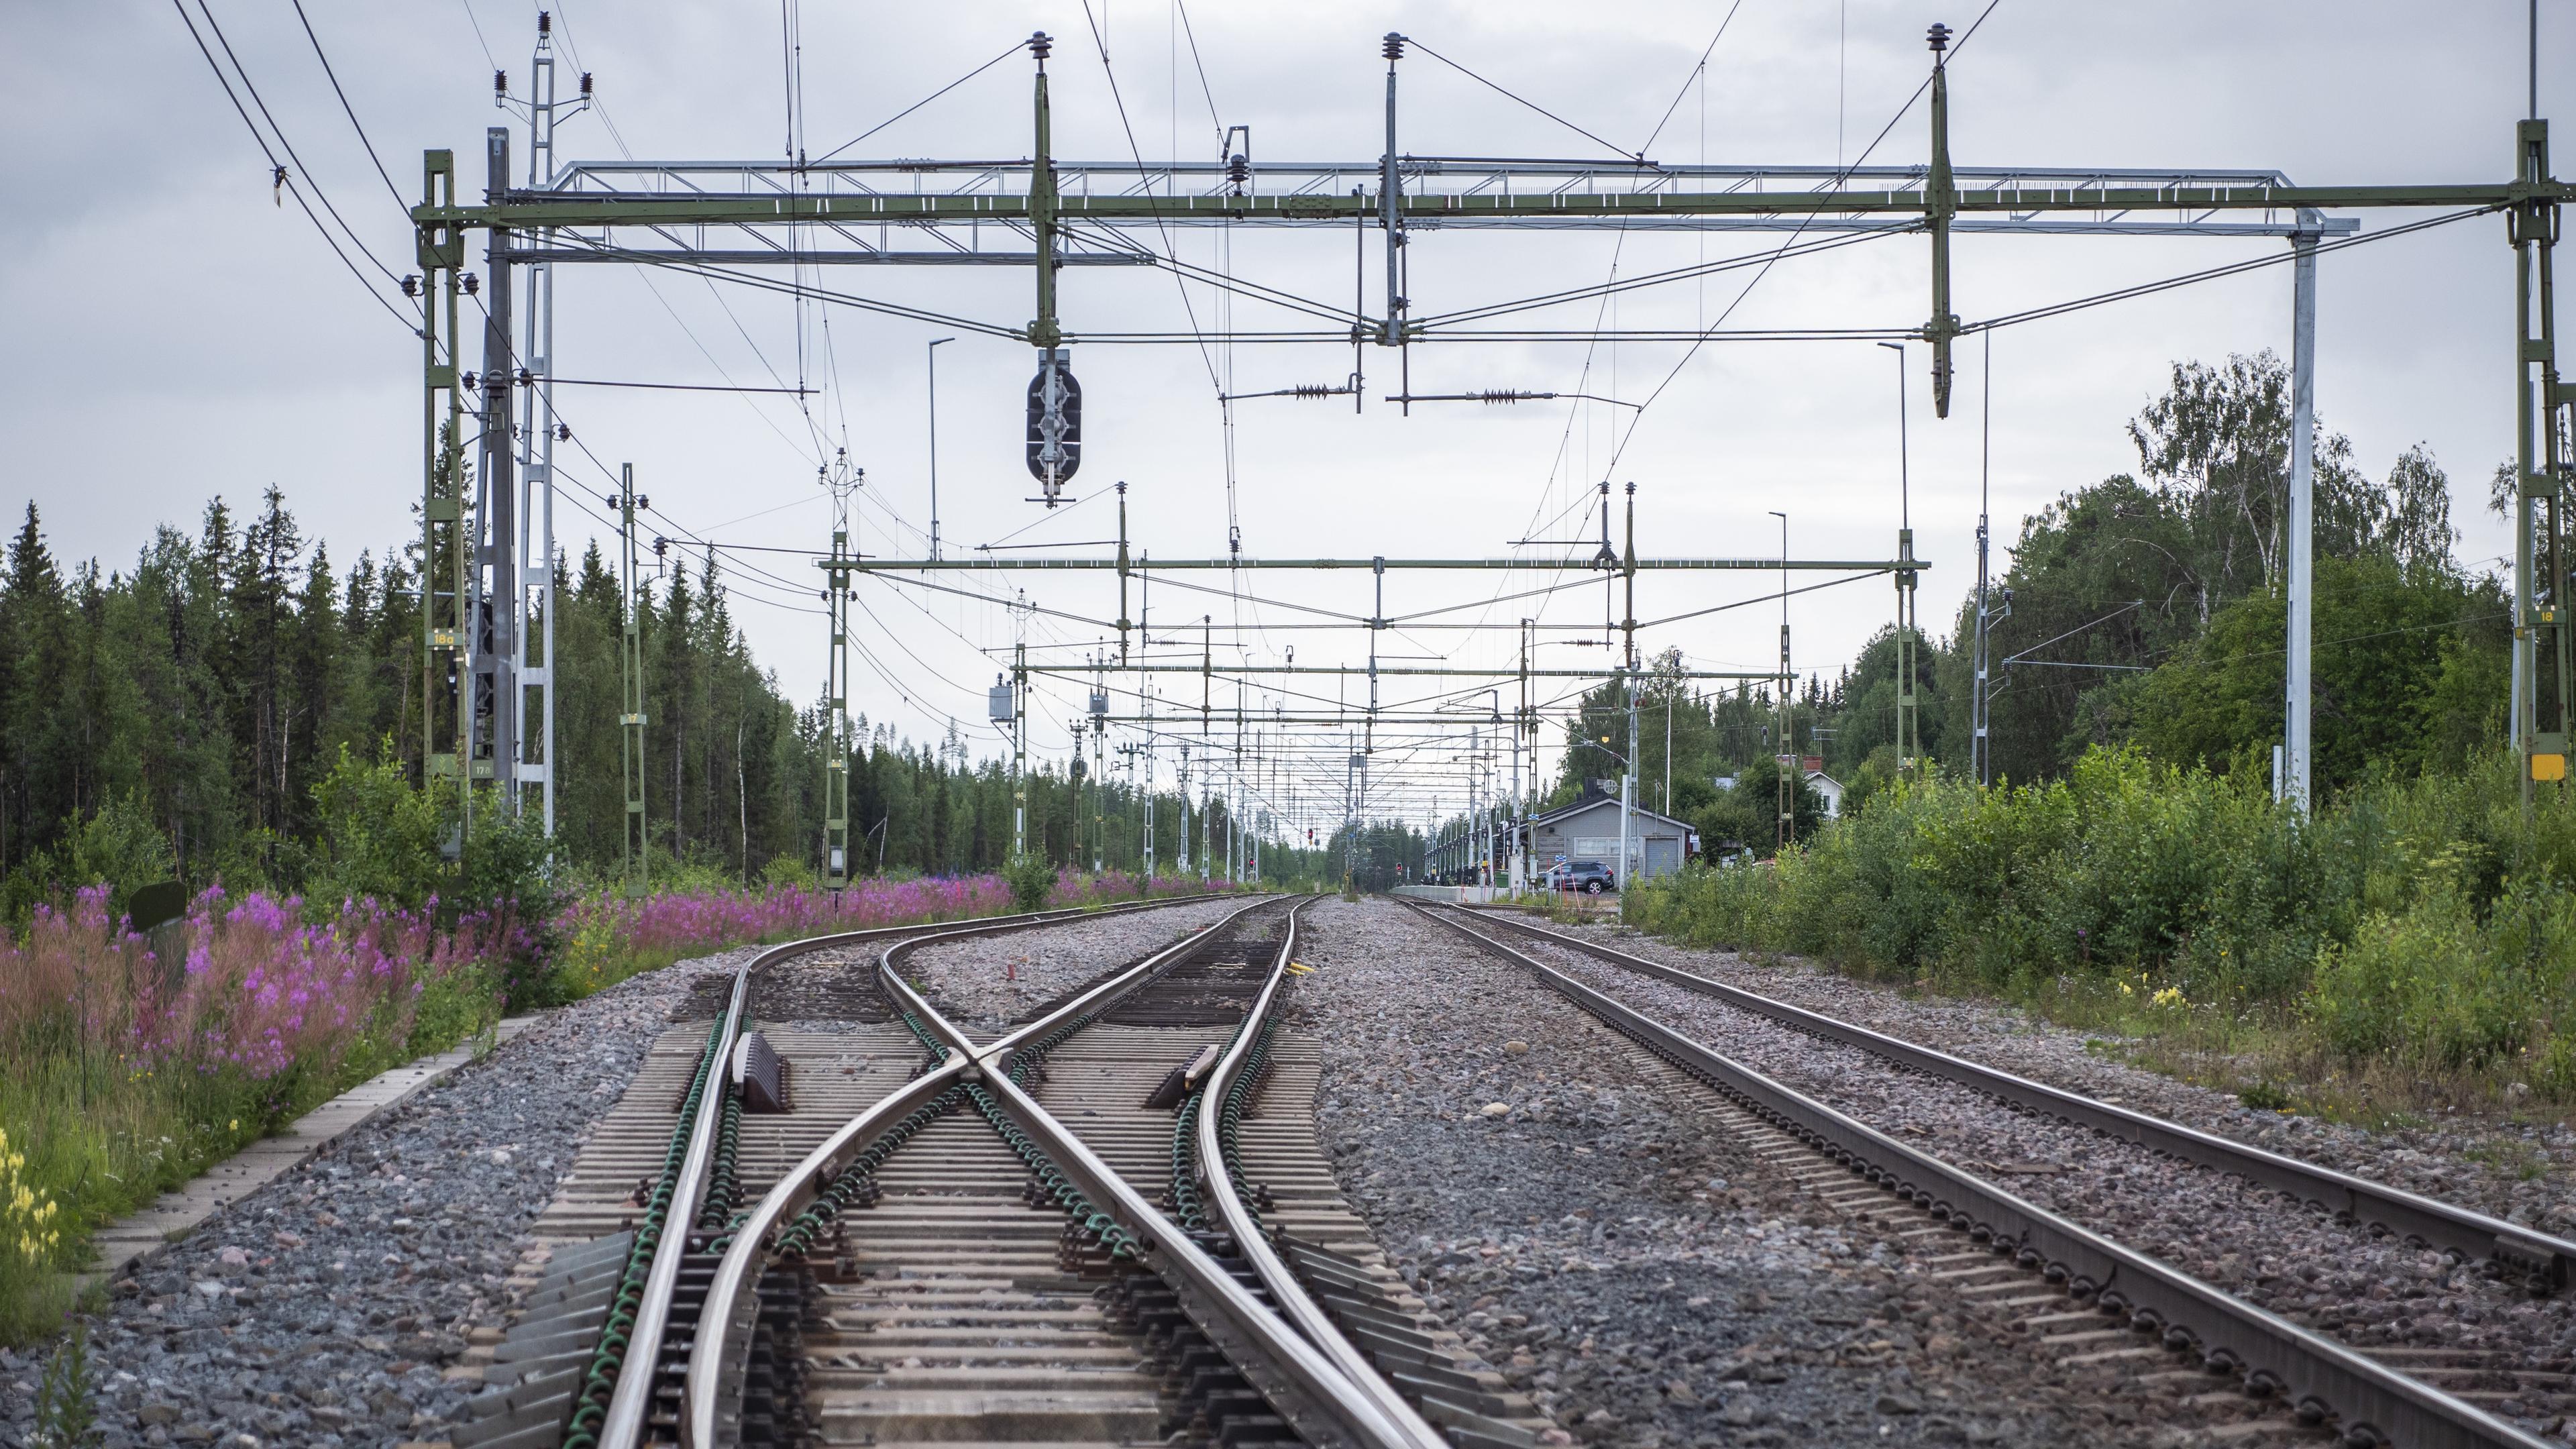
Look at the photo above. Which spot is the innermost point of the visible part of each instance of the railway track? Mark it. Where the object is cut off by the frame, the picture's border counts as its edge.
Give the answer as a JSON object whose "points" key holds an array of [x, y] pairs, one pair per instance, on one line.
{"points": [[870, 1267], [2127, 1306]]}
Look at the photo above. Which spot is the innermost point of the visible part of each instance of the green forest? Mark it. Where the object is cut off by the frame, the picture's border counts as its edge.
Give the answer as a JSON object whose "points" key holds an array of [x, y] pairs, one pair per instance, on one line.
{"points": [[180, 711], [2145, 610], [174, 717]]}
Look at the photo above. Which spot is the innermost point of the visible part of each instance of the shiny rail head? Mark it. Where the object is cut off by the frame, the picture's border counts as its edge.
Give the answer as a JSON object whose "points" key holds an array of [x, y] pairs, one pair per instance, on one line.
{"points": [[2368, 1398], [2545, 1262]]}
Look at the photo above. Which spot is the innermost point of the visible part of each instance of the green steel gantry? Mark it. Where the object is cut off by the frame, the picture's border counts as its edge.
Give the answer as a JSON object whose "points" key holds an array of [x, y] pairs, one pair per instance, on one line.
{"points": [[1057, 214]]}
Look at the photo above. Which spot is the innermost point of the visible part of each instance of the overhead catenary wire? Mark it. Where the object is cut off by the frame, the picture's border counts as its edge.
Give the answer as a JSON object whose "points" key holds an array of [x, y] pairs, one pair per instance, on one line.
{"points": [[2228, 269], [348, 110], [1638, 157], [1842, 175], [252, 89], [1014, 48], [288, 182]]}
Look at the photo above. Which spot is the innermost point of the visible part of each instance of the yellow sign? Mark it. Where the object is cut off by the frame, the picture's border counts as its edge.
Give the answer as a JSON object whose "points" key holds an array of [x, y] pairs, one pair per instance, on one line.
{"points": [[2549, 767]]}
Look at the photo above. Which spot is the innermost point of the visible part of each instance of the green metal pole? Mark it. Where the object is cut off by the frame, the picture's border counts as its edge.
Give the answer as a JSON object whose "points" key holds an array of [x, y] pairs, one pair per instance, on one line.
{"points": [[2539, 635], [1940, 203], [836, 723], [444, 641], [1043, 332]]}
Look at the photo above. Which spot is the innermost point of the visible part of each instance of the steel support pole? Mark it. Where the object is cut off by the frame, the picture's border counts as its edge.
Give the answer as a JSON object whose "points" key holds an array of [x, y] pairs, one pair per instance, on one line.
{"points": [[838, 866], [1940, 204], [1783, 756], [1628, 800], [494, 617], [1390, 207], [2296, 771], [630, 660], [933, 353], [1044, 334], [1980, 735], [2540, 641], [1019, 750], [446, 641], [536, 584], [1520, 801]]}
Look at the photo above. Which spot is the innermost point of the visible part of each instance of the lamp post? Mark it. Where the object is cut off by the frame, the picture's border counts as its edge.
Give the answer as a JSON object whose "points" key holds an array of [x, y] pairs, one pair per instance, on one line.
{"points": [[934, 443]]}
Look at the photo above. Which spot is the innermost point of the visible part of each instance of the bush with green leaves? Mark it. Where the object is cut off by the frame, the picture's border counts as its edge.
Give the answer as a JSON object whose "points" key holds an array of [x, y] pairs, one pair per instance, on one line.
{"points": [[1031, 879], [2422, 920]]}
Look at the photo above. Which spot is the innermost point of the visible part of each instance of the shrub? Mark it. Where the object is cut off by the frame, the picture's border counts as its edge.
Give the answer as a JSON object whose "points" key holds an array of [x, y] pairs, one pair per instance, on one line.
{"points": [[2425, 920], [1031, 879]]}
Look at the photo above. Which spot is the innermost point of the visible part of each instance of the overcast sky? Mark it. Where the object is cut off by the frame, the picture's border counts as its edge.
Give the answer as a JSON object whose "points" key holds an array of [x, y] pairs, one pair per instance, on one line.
{"points": [[176, 335]]}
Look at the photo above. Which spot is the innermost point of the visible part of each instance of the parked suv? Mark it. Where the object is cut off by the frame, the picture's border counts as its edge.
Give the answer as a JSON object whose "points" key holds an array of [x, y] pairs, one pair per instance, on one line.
{"points": [[1588, 876]]}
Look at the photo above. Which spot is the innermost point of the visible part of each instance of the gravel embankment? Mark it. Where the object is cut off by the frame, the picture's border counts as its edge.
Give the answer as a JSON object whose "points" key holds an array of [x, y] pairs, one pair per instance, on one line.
{"points": [[2523, 1172], [1624, 1261], [984, 983], [2220, 1228], [319, 1310]]}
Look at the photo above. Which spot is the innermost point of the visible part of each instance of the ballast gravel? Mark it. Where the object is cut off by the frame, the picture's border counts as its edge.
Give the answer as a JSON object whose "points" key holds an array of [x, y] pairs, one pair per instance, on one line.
{"points": [[1626, 1261], [324, 1308], [2371, 1292], [984, 983], [2523, 1171]]}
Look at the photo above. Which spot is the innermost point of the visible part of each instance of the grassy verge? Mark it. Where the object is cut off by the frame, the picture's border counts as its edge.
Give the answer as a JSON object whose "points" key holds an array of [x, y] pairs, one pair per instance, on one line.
{"points": [[2412, 949], [122, 1076], [97, 1130]]}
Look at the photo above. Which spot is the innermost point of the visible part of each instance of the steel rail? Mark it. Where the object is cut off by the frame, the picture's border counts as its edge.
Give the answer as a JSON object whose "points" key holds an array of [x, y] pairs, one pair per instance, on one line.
{"points": [[1245, 1227], [2418, 1220], [1313, 1394], [702, 1394], [630, 1402], [1321, 1391], [2376, 1405]]}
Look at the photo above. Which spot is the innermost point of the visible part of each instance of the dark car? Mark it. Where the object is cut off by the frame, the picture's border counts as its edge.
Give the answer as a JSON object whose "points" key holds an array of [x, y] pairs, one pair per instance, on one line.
{"points": [[1588, 876]]}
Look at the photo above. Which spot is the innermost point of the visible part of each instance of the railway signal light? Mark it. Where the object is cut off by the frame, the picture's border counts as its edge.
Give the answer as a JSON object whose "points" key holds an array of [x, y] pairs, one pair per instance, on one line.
{"points": [[1055, 423]]}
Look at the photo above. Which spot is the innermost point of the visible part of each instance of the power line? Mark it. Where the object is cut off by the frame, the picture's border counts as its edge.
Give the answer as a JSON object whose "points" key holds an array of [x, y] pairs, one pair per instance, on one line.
{"points": [[1840, 178], [1639, 157], [345, 108], [1007, 52], [287, 183], [2145, 289], [478, 34], [280, 131]]}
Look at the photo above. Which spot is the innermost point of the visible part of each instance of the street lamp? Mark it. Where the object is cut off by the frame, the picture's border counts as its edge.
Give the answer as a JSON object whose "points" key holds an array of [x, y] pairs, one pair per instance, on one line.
{"points": [[934, 444]]}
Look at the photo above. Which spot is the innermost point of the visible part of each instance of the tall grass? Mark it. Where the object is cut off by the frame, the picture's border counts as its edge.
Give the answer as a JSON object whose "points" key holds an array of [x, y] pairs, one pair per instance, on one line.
{"points": [[2421, 929], [129, 1064], [128, 1069]]}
